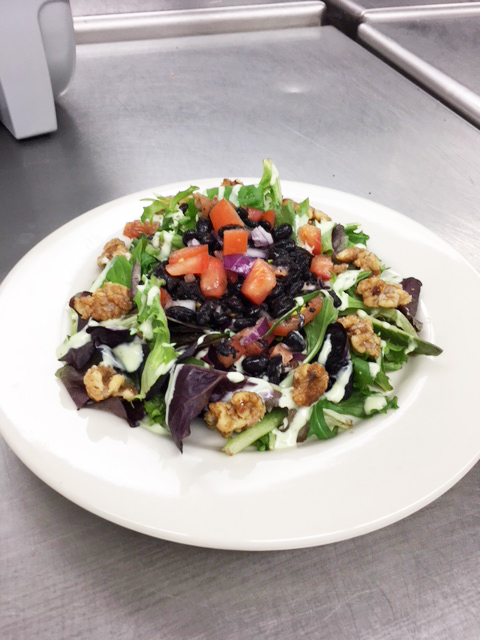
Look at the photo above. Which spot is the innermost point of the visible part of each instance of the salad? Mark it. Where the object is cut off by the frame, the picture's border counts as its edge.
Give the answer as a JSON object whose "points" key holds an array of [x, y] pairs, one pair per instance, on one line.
{"points": [[260, 315]]}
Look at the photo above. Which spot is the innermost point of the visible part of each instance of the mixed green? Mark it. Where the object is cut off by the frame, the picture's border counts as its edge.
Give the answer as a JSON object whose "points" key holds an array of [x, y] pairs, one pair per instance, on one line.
{"points": [[258, 314]]}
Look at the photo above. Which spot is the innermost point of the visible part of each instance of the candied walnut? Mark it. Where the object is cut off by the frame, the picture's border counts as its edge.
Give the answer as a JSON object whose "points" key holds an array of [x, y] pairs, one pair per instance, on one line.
{"points": [[244, 410], [102, 382], [111, 301], [339, 268], [378, 293], [230, 183], [115, 247], [310, 381], [313, 214], [204, 204], [361, 258], [362, 336]]}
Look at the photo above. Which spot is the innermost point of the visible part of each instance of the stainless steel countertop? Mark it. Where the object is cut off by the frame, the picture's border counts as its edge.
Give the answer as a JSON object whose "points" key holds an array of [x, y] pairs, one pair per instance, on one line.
{"points": [[441, 53], [357, 10], [140, 114]]}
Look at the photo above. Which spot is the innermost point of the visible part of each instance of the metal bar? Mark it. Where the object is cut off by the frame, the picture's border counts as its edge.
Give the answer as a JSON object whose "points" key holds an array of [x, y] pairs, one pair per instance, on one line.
{"points": [[444, 86], [395, 14], [168, 24]]}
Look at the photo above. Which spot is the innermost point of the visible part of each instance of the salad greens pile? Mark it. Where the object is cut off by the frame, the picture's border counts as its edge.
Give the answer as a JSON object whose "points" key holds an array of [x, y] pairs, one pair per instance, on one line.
{"points": [[204, 325]]}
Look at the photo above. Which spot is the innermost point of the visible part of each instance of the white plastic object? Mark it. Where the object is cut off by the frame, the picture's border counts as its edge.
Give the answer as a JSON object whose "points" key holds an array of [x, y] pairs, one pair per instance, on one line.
{"points": [[37, 60]]}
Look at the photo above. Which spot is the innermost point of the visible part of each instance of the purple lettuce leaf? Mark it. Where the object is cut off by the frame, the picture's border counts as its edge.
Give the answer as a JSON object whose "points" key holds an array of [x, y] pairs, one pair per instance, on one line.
{"points": [[80, 358], [191, 394], [412, 286]]}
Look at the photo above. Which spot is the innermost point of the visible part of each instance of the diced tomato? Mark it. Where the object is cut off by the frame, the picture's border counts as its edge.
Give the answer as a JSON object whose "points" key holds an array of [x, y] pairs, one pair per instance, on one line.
{"points": [[313, 308], [254, 348], [213, 281], [187, 252], [224, 213], [281, 350], [259, 282], [165, 297], [293, 322], [235, 241], [137, 227], [290, 324], [311, 236], [188, 260], [270, 216], [322, 267], [254, 214]]}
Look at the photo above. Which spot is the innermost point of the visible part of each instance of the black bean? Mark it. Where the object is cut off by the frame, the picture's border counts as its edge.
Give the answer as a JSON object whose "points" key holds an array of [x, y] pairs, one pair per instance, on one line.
{"points": [[282, 232], [295, 341], [219, 318], [281, 305], [204, 237], [288, 245], [225, 349], [255, 365], [265, 224], [251, 224], [302, 258], [234, 303], [189, 235], [204, 225], [336, 300], [227, 227], [243, 323], [243, 213], [294, 288], [275, 292], [275, 369], [182, 314], [188, 291], [204, 314], [279, 256], [183, 207]]}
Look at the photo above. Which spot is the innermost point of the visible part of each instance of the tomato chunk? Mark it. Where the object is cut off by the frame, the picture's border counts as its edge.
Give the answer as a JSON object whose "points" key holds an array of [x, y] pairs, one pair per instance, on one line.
{"points": [[165, 297], [293, 322], [187, 252], [254, 214], [322, 267], [259, 282], [213, 281], [311, 236], [190, 260], [137, 227], [235, 241], [224, 213], [270, 216], [254, 348]]}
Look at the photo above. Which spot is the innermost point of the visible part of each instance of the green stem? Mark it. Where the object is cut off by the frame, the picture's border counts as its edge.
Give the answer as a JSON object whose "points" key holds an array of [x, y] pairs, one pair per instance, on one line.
{"points": [[235, 444]]}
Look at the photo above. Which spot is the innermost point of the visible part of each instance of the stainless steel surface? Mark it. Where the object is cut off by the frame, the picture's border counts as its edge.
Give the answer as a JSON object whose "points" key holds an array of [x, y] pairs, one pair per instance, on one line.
{"points": [[357, 10], [101, 7], [140, 114], [167, 24], [441, 54]]}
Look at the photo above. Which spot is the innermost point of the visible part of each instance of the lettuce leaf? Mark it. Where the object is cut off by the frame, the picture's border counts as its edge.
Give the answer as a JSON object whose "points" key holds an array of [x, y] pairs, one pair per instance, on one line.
{"points": [[153, 324]]}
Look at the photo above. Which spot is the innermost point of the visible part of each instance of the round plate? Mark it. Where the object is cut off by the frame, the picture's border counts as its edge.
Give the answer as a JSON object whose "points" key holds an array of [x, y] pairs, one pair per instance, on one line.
{"points": [[379, 472]]}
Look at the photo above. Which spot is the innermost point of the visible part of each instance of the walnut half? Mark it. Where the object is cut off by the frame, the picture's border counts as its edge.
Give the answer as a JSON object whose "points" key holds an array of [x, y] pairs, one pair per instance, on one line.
{"points": [[362, 336], [310, 381], [102, 382], [115, 247], [361, 258], [244, 410], [378, 293], [111, 301]]}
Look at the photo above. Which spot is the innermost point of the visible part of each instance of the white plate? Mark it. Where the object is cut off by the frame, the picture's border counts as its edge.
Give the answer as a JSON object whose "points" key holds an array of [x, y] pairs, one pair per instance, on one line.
{"points": [[379, 472]]}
